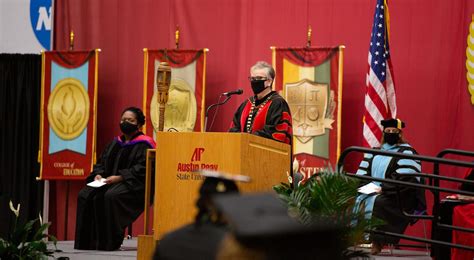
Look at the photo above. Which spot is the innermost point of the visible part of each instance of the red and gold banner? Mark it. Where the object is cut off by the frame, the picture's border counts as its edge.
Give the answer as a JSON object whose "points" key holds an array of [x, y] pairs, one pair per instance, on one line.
{"points": [[68, 114], [311, 82], [184, 111]]}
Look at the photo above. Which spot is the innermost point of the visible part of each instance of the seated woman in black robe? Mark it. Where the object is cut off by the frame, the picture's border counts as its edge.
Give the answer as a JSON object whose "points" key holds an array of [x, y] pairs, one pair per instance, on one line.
{"points": [[104, 212]]}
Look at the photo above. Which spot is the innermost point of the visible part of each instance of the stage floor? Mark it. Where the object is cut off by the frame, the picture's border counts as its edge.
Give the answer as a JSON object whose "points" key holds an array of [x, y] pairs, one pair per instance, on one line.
{"points": [[129, 251]]}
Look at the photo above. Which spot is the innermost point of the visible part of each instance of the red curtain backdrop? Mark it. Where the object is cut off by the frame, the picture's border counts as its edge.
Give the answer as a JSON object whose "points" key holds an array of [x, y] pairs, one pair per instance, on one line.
{"points": [[428, 45]]}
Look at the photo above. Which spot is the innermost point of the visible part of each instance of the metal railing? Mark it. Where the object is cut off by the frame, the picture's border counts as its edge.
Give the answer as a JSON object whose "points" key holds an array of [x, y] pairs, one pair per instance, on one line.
{"points": [[433, 187]]}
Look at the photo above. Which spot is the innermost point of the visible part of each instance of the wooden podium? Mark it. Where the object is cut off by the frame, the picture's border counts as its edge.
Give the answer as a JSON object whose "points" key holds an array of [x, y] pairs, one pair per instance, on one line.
{"points": [[180, 155]]}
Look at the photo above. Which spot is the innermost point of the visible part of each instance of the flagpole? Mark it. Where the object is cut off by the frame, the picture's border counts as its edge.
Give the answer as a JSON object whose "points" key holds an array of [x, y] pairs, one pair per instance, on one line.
{"points": [[68, 182], [203, 100], [273, 49], [46, 204], [145, 84], [339, 98], [46, 182]]}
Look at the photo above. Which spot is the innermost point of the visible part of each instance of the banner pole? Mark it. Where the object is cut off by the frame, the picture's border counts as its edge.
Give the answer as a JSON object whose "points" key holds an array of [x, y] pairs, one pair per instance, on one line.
{"points": [[66, 211], [46, 204]]}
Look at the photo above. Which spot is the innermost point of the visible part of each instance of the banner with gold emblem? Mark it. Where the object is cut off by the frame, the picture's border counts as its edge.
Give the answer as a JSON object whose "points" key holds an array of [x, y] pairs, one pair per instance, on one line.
{"points": [[68, 114], [184, 111], [311, 81]]}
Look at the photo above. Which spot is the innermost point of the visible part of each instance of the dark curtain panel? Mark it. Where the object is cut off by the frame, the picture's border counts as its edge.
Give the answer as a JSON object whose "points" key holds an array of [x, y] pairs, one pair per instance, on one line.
{"points": [[20, 92]]}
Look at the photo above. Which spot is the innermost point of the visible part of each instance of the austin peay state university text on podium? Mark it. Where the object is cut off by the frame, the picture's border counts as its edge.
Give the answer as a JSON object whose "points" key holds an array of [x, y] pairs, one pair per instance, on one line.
{"points": [[180, 155]]}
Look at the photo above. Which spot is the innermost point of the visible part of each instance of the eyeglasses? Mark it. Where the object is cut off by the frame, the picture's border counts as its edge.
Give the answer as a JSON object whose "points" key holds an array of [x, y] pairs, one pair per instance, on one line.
{"points": [[391, 131], [257, 78]]}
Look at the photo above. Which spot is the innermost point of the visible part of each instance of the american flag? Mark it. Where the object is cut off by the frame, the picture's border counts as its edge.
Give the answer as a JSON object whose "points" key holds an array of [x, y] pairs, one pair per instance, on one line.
{"points": [[380, 100]]}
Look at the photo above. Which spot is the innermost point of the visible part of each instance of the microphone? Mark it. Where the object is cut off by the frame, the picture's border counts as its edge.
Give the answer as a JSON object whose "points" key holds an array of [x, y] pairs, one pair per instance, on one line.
{"points": [[233, 92], [227, 97]]}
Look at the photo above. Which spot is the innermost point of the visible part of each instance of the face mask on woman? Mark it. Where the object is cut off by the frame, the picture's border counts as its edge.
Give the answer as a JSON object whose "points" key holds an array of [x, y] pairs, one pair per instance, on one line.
{"points": [[128, 128], [391, 138]]}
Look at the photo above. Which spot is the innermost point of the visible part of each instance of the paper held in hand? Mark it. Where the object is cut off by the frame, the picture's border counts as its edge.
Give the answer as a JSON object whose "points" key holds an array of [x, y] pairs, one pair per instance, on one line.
{"points": [[97, 183], [369, 189]]}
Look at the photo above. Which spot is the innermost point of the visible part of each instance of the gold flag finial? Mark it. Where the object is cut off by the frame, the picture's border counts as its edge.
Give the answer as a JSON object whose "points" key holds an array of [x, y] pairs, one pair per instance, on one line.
{"points": [[71, 41], [176, 36], [308, 39]]}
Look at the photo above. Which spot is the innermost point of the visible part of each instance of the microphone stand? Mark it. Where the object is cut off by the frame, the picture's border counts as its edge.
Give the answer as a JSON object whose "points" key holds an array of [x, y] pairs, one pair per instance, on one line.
{"points": [[212, 106]]}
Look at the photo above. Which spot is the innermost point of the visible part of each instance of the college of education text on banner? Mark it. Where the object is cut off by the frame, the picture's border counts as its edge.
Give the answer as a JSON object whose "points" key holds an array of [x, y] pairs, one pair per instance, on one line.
{"points": [[311, 81], [184, 111], [68, 114], [380, 99]]}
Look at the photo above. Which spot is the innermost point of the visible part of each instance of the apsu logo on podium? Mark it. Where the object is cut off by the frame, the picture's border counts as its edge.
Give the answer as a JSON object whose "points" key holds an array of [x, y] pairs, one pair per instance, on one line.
{"points": [[188, 170], [197, 154], [40, 17]]}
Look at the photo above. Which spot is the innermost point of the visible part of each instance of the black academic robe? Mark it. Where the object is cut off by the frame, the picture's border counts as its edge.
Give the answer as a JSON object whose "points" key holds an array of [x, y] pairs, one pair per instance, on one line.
{"points": [[270, 118], [104, 212]]}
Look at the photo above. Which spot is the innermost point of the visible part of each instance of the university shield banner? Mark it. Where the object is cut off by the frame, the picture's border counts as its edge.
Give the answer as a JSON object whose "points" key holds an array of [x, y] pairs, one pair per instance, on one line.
{"points": [[184, 111], [68, 114], [310, 79]]}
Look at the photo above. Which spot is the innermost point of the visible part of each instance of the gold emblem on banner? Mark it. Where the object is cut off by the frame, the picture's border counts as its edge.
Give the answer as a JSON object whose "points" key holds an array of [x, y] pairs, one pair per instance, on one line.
{"points": [[181, 109], [68, 108], [308, 103]]}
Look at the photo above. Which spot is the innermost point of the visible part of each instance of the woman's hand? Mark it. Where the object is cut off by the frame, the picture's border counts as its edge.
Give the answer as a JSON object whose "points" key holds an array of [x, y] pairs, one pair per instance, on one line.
{"points": [[97, 177], [378, 190], [113, 179]]}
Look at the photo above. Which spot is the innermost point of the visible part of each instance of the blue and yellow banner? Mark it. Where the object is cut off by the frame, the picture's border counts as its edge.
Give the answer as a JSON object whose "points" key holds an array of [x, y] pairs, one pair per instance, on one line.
{"points": [[68, 114]]}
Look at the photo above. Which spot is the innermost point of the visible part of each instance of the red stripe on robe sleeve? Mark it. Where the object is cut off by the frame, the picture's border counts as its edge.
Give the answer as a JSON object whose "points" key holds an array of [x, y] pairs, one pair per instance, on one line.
{"points": [[280, 137]]}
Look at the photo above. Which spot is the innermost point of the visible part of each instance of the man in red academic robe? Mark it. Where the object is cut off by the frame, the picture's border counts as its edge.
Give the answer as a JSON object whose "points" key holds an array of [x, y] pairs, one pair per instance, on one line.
{"points": [[266, 113]]}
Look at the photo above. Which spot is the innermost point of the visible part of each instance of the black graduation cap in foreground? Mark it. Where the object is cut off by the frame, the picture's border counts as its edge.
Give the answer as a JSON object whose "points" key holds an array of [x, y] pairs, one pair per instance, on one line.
{"points": [[261, 221], [219, 182]]}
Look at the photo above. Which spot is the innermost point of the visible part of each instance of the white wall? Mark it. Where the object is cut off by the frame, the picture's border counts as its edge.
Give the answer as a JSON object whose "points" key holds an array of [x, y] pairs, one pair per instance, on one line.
{"points": [[17, 34]]}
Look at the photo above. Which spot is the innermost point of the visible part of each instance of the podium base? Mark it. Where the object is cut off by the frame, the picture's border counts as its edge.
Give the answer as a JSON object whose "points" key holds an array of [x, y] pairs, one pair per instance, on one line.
{"points": [[146, 247]]}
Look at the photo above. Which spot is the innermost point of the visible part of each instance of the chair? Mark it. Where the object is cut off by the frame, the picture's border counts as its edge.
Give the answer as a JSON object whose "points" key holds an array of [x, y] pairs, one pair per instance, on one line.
{"points": [[417, 214], [150, 170]]}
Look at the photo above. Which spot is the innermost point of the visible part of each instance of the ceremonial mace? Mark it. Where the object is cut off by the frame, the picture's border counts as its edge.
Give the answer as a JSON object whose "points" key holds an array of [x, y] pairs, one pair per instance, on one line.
{"points": [[163, 80]]}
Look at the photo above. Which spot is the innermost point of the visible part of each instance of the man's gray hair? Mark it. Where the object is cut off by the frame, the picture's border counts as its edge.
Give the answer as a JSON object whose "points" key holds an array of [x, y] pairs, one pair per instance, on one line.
{"points": [[264, 65]]}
